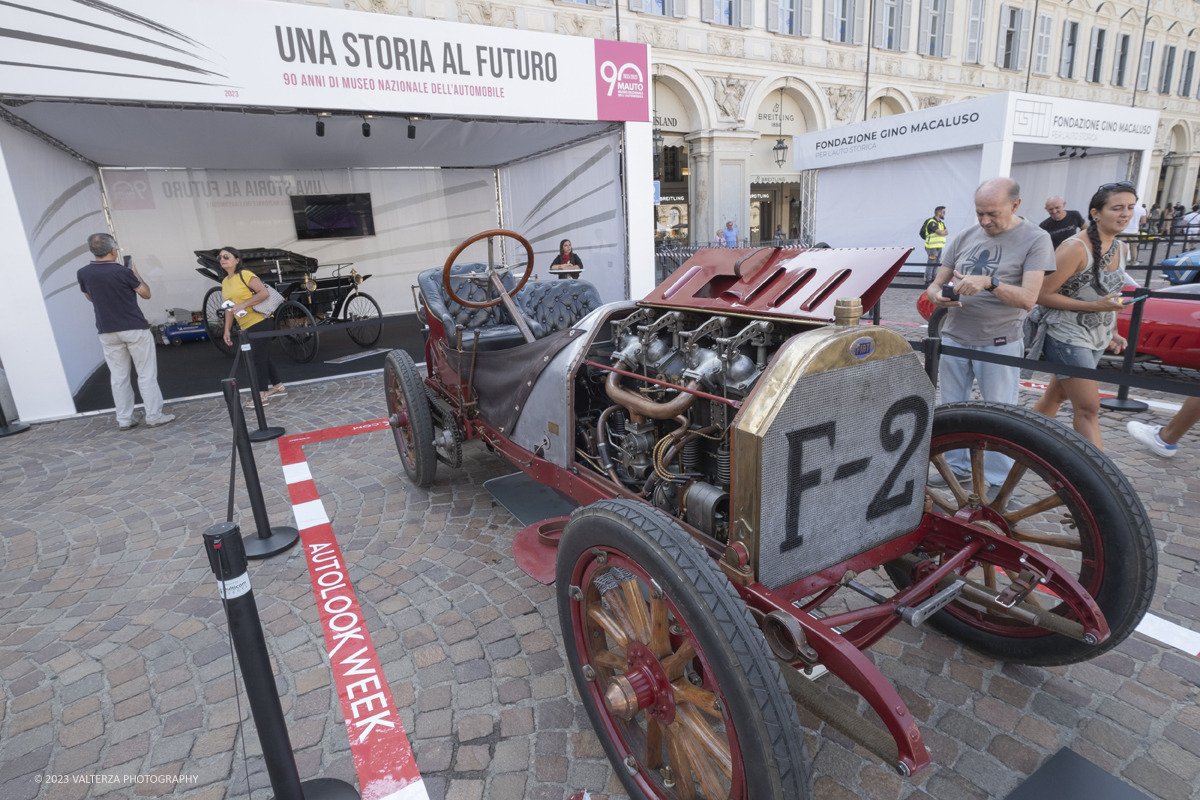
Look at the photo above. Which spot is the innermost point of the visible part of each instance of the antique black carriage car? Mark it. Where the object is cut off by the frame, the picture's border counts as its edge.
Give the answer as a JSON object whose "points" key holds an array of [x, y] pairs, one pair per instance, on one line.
{"points": [[310, 301], [742, 452]]}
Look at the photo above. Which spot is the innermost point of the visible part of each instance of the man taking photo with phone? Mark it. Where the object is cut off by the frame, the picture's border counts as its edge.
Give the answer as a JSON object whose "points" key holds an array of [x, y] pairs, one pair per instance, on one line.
{"points": [[125, 335], [997, 270]]}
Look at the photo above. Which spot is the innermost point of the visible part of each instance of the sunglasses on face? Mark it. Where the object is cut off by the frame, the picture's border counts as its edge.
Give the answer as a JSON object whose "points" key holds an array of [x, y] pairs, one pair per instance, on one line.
{"points": [[1120, 185]]}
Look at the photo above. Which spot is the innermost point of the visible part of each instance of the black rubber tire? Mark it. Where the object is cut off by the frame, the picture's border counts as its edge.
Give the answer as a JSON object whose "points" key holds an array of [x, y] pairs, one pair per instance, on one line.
{"points": [[1130, 551], [363, 302], [214, 321], [771, 741], [936, 320], [417, 452], [301, 347]]}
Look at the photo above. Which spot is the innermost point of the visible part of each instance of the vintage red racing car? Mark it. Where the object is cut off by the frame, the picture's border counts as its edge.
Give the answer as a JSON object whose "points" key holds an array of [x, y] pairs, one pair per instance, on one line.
{"points": [[742, 451]]}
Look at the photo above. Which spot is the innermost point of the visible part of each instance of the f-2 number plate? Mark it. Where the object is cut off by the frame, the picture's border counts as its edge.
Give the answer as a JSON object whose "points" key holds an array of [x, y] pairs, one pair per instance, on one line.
{"points": [[844, 466]]}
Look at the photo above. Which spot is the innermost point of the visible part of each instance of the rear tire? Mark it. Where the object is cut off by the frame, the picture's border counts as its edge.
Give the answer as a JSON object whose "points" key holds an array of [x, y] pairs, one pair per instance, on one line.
{"points": [[301, 346], [214, 321], [1111, 552], [359, 307]]}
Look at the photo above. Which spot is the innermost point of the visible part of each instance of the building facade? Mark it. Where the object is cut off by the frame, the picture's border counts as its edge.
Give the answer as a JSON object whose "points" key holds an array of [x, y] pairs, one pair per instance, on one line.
{"points": [[735, 80]]}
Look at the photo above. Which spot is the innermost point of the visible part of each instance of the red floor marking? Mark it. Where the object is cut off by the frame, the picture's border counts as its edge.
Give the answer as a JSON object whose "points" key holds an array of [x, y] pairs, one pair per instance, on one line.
{"points": [[383, 757]]}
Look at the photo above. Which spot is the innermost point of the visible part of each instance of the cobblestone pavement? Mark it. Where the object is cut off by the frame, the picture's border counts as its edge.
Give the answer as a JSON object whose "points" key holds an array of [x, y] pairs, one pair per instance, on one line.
{"points": [[115, 660]]}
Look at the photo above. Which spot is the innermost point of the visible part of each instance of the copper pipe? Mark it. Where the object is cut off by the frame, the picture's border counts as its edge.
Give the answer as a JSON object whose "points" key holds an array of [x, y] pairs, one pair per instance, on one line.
{"points": [[649, 408], [667, 384]]}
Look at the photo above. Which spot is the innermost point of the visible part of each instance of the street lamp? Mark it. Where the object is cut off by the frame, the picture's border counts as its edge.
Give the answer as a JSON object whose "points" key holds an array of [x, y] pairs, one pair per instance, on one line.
{"points": [[780, 149]]}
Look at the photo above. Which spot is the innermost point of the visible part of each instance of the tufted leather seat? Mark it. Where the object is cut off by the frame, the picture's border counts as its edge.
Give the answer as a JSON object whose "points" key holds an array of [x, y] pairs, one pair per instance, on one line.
{"points": [[549, 306], [559, 304]]}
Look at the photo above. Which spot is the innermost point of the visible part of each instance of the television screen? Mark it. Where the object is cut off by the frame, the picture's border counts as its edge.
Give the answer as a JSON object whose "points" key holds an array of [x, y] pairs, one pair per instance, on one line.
{"points": [[332, 216]]}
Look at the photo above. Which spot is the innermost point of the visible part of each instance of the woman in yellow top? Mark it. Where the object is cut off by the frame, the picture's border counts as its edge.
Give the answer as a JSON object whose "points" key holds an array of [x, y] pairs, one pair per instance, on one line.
{"points": [[245, 290]]}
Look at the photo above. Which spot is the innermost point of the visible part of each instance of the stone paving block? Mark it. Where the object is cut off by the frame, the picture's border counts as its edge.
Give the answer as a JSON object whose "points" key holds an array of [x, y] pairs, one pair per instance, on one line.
{"points": [[476, 726]]}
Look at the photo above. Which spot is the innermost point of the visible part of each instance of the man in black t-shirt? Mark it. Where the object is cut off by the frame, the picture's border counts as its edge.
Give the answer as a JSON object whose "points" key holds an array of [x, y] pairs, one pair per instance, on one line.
{"points": [[124, 332], [1061, 224]]}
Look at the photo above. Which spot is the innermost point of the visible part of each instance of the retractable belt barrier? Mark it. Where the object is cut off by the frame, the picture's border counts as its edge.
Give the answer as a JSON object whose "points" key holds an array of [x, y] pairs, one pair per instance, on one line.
{"points": [[1103, 376], [322, 327]]}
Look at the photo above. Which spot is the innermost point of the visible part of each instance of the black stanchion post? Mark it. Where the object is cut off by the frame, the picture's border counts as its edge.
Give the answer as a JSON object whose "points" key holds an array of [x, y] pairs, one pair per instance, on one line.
{"points": [[269, 540], [226, 555], [875, 311], [263, 433], [10, 428], [1152, 262], [933, 358], [1122, 402]]}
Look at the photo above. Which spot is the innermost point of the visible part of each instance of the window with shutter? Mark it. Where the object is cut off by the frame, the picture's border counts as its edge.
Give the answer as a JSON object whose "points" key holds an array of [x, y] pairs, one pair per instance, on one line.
{"points": [[935, 28], [1070, 42], [1024, 25], [1143, 78], [923, 29], [708, 10], [805, 18], [947, 28], [1008, 44], [1121, 60], [830, 32], [775, 16], [1041, 50], [679, 8], [905, 19], [858, 6], [973, 52], [745, 14], [1095, 54], [1167, 70], [1185, 74]]}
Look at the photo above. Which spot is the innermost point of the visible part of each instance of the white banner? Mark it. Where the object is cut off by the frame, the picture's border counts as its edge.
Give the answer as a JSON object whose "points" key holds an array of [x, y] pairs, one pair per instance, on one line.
{"points": [[1010, 116], [929, 130], [258, 53]]}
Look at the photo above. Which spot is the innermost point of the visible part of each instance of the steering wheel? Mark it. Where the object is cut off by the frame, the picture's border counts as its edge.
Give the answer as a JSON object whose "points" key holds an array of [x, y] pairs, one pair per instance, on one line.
{"points": [[486, 278]]}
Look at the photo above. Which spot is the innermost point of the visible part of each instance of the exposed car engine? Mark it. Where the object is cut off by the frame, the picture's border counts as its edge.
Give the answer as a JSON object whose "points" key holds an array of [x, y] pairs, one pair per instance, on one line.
{"points": [[654, 405]]}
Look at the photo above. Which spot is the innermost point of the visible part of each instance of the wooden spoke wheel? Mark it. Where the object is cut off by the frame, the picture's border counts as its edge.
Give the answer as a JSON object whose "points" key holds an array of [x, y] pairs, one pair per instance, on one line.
{"points": [[679, 684], [485, 277], [214, 321], [1061, 497], [409, 417]]}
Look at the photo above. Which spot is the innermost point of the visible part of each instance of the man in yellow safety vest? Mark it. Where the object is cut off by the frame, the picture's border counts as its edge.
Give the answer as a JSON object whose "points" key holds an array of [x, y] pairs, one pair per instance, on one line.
{"points": [[933, 231]]}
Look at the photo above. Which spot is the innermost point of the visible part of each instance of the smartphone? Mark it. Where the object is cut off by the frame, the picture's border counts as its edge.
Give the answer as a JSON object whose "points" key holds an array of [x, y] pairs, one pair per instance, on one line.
{"points": [[948, 292], [1128, 301], [128, 262]]}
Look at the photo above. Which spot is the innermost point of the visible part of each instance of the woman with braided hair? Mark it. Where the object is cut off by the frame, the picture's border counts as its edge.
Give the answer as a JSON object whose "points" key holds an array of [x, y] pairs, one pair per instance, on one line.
{"points": [[1083, 297]]}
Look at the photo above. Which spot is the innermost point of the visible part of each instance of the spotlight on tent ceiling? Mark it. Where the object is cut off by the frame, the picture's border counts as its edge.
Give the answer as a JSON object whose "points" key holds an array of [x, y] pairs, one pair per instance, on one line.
{"points": [[1083, 154], [412, 129], [367, 124], [321, 121], [1062, 153]]}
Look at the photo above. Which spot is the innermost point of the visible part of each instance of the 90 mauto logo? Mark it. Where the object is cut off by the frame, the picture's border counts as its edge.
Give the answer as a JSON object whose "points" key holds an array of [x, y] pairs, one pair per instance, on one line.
{"points": [[621, 81]]}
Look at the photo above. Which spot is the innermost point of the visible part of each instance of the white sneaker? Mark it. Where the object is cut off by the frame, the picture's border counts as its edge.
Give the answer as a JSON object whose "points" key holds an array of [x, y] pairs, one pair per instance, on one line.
{"points": [[1148, 435], [163, 420]]}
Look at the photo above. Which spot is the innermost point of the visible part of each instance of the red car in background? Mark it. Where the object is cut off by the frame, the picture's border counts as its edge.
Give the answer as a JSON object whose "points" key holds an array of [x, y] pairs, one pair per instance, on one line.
{"points": [[1170, 328]]}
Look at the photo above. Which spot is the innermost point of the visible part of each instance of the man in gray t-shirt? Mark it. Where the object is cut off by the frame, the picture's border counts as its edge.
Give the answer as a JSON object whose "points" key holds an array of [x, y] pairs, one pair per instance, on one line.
{"points": [[997, 270]]}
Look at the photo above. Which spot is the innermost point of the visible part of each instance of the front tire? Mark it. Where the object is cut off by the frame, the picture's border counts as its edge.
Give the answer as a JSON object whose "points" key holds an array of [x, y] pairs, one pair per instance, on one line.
{"points": [[635, 589], [408, 413], [1093, 524]]}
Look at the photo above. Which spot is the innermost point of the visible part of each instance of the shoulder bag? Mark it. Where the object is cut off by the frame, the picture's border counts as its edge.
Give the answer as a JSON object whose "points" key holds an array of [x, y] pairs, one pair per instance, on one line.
{"points": [[271, 304]]}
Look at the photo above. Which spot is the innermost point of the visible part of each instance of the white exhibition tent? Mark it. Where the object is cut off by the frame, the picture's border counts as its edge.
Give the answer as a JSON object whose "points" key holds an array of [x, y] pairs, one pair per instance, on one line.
{"points": [[188, 125], [916, 161]]}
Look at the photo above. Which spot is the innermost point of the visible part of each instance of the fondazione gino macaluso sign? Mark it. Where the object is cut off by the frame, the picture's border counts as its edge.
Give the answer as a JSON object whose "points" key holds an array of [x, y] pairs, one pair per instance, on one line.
{"points": [[1008, 116], [290, 55]]}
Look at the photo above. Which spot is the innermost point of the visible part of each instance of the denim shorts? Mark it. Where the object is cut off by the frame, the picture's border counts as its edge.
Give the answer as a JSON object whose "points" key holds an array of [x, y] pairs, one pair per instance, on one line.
{"points": [[1071, 355]]}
